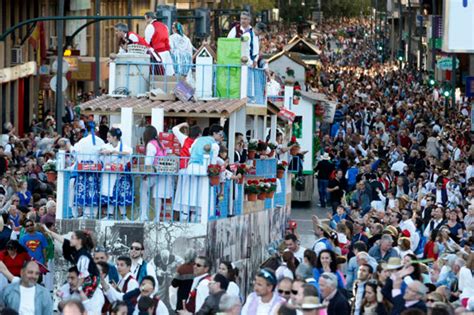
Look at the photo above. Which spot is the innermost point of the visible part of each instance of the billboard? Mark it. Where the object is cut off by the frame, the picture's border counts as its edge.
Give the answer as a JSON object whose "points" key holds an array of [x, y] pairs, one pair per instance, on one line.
{"points": [[458, 18]]}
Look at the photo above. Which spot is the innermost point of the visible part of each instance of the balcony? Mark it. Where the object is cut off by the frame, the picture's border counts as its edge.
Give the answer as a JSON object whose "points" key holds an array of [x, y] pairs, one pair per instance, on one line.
{"points": [[133, 75], [90, 187]]}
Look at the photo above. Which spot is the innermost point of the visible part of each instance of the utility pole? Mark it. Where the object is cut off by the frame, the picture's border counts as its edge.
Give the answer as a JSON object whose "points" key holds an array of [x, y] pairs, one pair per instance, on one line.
{"points": [[453, 81], [410, 26], [97, 50], [59, 73], [433, 34]]}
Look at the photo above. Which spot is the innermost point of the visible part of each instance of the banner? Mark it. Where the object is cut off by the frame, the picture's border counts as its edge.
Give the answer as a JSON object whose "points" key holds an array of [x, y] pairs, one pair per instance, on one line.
{"points": [[286, 114], [37, 40], [228, 78], [458, 24]]}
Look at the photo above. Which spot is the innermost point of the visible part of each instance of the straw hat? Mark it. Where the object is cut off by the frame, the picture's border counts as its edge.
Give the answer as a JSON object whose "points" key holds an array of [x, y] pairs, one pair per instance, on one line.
{"points": [[311, 303], [392, 230], [325, 156], [393, 263]]}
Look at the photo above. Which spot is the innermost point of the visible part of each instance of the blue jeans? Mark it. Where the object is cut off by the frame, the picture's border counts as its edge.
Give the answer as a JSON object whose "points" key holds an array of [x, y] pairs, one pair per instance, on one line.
{"points": [[323, 191]]}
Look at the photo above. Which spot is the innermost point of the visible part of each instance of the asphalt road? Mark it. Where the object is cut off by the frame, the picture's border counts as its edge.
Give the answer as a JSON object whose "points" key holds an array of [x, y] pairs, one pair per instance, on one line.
{"points": [[302, 213]]}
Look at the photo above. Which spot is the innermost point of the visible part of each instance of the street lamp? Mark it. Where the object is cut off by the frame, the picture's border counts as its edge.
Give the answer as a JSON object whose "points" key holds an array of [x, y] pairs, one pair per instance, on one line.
{"points": [[446, 94]]}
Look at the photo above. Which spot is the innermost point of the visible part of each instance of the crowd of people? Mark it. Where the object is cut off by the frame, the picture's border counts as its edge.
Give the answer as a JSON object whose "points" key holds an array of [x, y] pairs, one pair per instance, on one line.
{"points": [[395, 174]]}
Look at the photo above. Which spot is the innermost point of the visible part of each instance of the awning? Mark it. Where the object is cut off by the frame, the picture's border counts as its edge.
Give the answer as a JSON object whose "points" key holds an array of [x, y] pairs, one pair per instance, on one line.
{"points": [[210, 108]]}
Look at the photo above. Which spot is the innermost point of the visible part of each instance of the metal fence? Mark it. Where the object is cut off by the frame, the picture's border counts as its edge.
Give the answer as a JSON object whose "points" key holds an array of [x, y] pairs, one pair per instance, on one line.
{"points": [[256, 86], [206, 80], [148, 188]]}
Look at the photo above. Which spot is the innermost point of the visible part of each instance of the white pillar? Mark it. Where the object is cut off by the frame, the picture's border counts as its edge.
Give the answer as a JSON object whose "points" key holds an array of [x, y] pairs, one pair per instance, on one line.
{"points": [[204, 69], [231, 136], [61, 202], [158, 119], [255, 127], [244, 77], [112, 67], [126, 124], [264, 128], [273, 128], [288, 96]]}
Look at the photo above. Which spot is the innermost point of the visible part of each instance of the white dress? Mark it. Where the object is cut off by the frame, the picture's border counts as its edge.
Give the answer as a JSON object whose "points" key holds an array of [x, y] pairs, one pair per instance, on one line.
{"points": [[86, 190], [182, 53], [194, 190], [109, 180]]}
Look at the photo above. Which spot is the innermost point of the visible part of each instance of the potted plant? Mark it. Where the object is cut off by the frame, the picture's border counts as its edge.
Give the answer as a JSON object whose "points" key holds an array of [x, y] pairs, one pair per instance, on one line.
{"points": [[294, 146], [264, 186], [272, 147], [252, 149], [296, 96], [214, 171], [49, 168], [281, 168], [241, 170], [271, 188], [290, 73], [252, 190]]}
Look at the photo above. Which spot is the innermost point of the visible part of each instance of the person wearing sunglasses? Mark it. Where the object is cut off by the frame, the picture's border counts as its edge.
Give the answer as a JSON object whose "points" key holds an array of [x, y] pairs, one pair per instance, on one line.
{"points": [[34, 242], [284, 288], [140, 267], [263, 300], [200, 287]]}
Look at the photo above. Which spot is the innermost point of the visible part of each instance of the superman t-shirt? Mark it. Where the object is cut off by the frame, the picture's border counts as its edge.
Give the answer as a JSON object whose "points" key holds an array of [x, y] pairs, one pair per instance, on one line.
{"points": [[35, 244]]}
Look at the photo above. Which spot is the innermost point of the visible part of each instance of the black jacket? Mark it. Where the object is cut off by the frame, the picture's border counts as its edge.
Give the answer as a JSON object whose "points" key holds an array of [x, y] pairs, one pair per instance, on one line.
{"points": [[399, 305], [339, 305]]}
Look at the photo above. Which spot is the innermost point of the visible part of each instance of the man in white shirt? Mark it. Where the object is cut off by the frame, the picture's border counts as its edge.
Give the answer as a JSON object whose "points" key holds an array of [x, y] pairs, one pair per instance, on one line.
{"points": [[200, 287], [244, 30], [73, 291], [408, 224], [435, 223], [140, 267], [25, 294], [292, 244], [126, 283], [263, 301]]}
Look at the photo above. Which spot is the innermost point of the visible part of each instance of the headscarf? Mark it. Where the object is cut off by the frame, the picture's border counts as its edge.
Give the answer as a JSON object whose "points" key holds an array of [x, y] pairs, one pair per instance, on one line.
{"points": [[179, 28], [92, 129]]}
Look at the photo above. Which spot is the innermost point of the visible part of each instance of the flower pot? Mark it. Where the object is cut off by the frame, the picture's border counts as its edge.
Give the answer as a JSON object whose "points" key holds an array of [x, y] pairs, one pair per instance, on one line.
{"points": [[51, 176], [270, 194], [252, 197], [294, 150], [214, 180], [296, 101], [271, 154], [262, 196], [240, 181], [280, 174], [251, 154]]}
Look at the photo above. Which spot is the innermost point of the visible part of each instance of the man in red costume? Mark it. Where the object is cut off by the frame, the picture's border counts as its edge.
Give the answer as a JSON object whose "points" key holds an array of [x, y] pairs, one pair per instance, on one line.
{"points": [[157, 36]]}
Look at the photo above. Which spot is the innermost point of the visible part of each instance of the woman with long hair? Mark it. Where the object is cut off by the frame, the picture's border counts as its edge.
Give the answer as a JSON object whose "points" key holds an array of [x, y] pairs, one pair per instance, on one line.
{"points": [[227, 270], [327, 263], [78, 252], [373, 301], [288, 266], [181, 50], [116, 186], [14, 256], [159, 186]]}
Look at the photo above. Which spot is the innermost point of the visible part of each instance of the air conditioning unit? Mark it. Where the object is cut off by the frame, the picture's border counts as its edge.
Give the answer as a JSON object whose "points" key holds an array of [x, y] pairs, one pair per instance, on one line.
{"points": [[53, 42], [17, 57]]}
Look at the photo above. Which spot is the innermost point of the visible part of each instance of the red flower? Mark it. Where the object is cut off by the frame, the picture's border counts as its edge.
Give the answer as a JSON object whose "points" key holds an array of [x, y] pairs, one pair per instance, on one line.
{"points": [[293, 139]]}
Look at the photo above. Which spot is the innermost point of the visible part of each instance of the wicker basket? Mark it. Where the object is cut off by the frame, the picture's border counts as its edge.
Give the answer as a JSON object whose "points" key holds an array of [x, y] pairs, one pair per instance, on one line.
{"points": [[137, 49], [167, 165]]}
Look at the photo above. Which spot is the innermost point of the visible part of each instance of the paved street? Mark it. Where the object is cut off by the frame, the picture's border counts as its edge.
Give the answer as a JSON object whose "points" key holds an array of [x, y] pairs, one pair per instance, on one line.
{"points": [[302, 212]]}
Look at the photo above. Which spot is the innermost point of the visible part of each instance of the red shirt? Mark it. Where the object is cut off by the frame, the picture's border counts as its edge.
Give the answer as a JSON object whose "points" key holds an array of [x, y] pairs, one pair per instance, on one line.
{"points": [[132, 37], [14, 264], [160, 40], [188, 142]]}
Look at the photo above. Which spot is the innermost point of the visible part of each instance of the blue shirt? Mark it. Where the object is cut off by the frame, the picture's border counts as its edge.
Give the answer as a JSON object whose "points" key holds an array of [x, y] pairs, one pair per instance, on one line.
{"points": [[24, 198], [35, 244]]}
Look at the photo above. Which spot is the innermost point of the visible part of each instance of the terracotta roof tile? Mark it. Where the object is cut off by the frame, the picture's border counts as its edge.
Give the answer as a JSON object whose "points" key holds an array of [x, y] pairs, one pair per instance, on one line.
{"points": [[144, 105]]}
